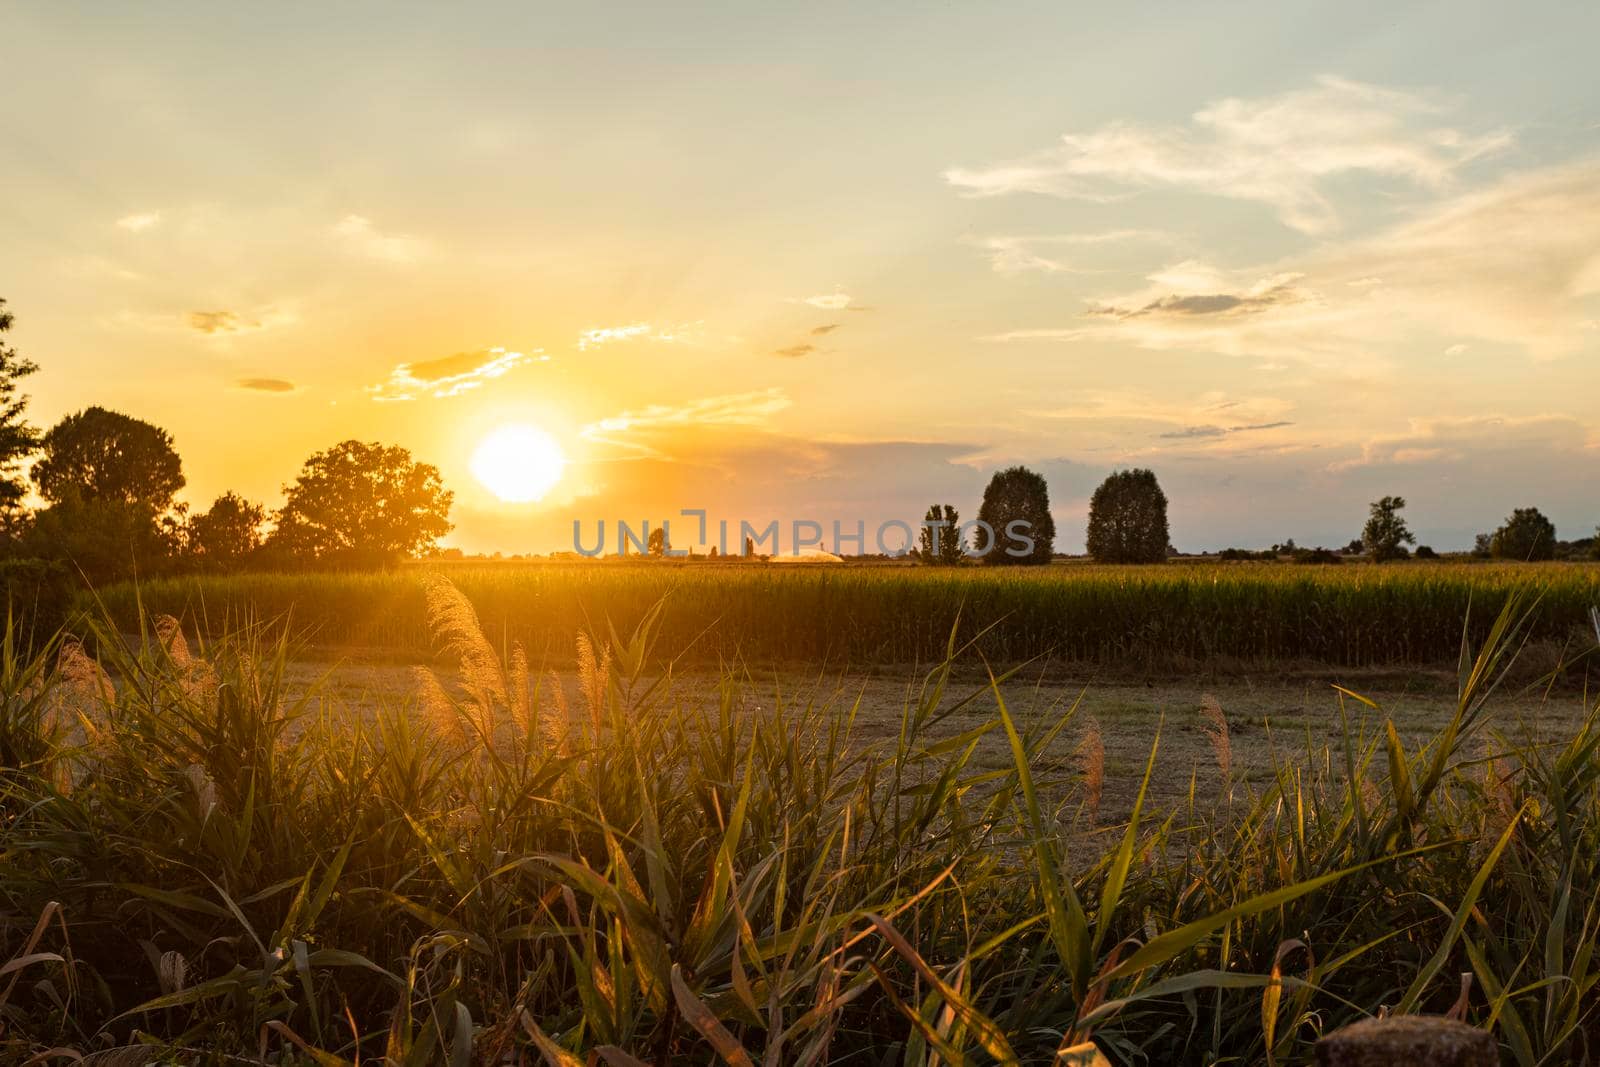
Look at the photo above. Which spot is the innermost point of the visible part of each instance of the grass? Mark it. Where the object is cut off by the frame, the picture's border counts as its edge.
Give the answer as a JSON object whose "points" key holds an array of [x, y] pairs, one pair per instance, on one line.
{"points": [[197, 862], [1177, 616]]}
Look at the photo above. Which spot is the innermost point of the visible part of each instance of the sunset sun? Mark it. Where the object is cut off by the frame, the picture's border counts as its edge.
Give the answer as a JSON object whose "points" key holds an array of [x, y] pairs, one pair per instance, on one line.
{"points": [[518, 463]]}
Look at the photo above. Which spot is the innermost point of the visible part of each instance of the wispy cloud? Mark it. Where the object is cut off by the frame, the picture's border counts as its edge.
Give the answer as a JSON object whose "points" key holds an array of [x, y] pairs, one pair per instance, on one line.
{"points": [[1018, 254], [265, 385], [820, 331], [450, 375], [1279, 151], [222, 322], [139, 222], [1212, 432], [684, 333], [835, 301], [794, 351], [360, 235], [734, 409], [1263, 296]]}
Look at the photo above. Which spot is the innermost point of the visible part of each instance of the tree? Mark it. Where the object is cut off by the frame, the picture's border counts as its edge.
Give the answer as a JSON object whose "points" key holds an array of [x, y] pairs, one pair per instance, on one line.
{"points": [[105, 456], [102, 540], [749, 548], [361, 504], [1017, 495], [1594, 545], [1386, 533], [17, 438], [227, 533], [1526, 535], [940, 540], [658, 542], [1128, 519]]}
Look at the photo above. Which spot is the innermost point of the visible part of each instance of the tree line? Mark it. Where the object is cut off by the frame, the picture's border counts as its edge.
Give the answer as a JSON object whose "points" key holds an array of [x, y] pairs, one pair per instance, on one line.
{"points": [[1127, 523], [95, 497]]}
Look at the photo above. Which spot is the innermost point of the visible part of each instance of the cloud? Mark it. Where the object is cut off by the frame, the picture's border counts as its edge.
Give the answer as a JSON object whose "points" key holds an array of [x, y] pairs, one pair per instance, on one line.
{"points": [[1017, 254], [265, 385], [1455, 350], [1516, 263], [211, 323], [1263, 296], [358, 234], [733, 409], [1203, 432], [795, 351], [836, 301], [1472, 439], [137, 223], [450, 375], [643, 331], [819, 331], [1279, 151]]}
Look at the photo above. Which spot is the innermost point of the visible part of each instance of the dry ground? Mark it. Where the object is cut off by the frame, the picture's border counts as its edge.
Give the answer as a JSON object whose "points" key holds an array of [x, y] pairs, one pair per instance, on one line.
{"points": [[1268, 721]]}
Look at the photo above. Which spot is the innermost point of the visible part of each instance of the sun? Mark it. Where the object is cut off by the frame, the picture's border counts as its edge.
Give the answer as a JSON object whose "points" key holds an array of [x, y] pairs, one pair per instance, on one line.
{"points": [[518, 463]]}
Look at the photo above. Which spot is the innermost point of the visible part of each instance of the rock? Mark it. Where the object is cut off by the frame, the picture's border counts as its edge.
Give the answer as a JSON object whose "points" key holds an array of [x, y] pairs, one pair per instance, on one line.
{"points": [[1408, 1041]]}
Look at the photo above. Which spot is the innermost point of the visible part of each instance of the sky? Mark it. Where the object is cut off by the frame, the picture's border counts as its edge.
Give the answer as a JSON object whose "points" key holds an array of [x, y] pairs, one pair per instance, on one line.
{"points": [[829, 261]]}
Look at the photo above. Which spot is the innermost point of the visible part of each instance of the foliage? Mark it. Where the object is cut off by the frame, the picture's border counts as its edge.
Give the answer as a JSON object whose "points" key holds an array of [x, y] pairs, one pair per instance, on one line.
{"points": [[361, 504], [941, 540], [227, 534], [658, 542], [1386, 533], [102, 540], [102, 456], [1016, 495], [17, 438], [1426, 552], [1526, 535], [1124, 618], [1594, 545], [1128, 519], [206, 861]]}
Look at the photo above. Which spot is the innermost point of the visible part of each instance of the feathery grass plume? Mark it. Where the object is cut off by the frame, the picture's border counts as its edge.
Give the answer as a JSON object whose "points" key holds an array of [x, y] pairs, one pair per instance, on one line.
{"points": [[456, 630], [1217, 733], [169, 635], [558, 716], [523, 712], [438, 710], [1091, 757], [594, 677]]}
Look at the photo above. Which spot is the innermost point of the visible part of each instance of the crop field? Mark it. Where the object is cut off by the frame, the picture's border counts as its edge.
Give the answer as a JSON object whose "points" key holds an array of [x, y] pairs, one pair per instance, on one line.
{"points": [[1174, 617]]}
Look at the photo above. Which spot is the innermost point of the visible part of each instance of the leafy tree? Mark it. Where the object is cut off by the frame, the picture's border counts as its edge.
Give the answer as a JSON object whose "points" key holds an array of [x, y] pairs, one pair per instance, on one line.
{"points": [[1128, 519], [17, 438], [1017, 495], [1386, 533], [1426, 552], [359, 504], [1482, 546], [1526, 535], [102, 540], [105, 456], [949, 547], [658, 542], [1354, 548], [226, 534]]}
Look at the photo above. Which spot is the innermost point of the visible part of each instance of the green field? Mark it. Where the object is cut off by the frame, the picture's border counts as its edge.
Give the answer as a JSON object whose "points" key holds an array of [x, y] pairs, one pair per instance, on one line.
{"points": [[1177, 616]]}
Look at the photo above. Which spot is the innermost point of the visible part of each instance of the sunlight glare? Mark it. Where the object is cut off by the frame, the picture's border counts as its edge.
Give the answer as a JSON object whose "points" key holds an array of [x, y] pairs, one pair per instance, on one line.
{"points": [[518, 463]]}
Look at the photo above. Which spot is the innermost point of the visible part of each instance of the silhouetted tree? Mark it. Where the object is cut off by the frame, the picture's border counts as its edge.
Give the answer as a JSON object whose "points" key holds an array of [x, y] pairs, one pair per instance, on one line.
{"points": [[1128, 519], [1594, 546], [1425, 552], [1017, 495], [17, 438], [947, 547], [226, 534], [1482, 546], [105, 456], [1386, 533], [1355, 547], [749, 548], [1526, 535], [361, 504], [658, 542]]}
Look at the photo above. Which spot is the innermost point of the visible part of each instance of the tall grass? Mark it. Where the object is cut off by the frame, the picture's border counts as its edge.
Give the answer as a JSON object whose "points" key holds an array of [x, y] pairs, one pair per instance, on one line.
{"points": [[194, 858], [1178, 615]]}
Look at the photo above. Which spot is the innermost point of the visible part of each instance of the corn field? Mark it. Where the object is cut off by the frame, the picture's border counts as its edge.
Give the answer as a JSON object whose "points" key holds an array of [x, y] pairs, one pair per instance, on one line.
{"points": [[1178, 615], [200, 865]]}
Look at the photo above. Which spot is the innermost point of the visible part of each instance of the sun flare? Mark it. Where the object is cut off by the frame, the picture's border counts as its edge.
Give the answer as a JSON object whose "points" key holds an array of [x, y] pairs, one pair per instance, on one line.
{"points": [[519, 463]]}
